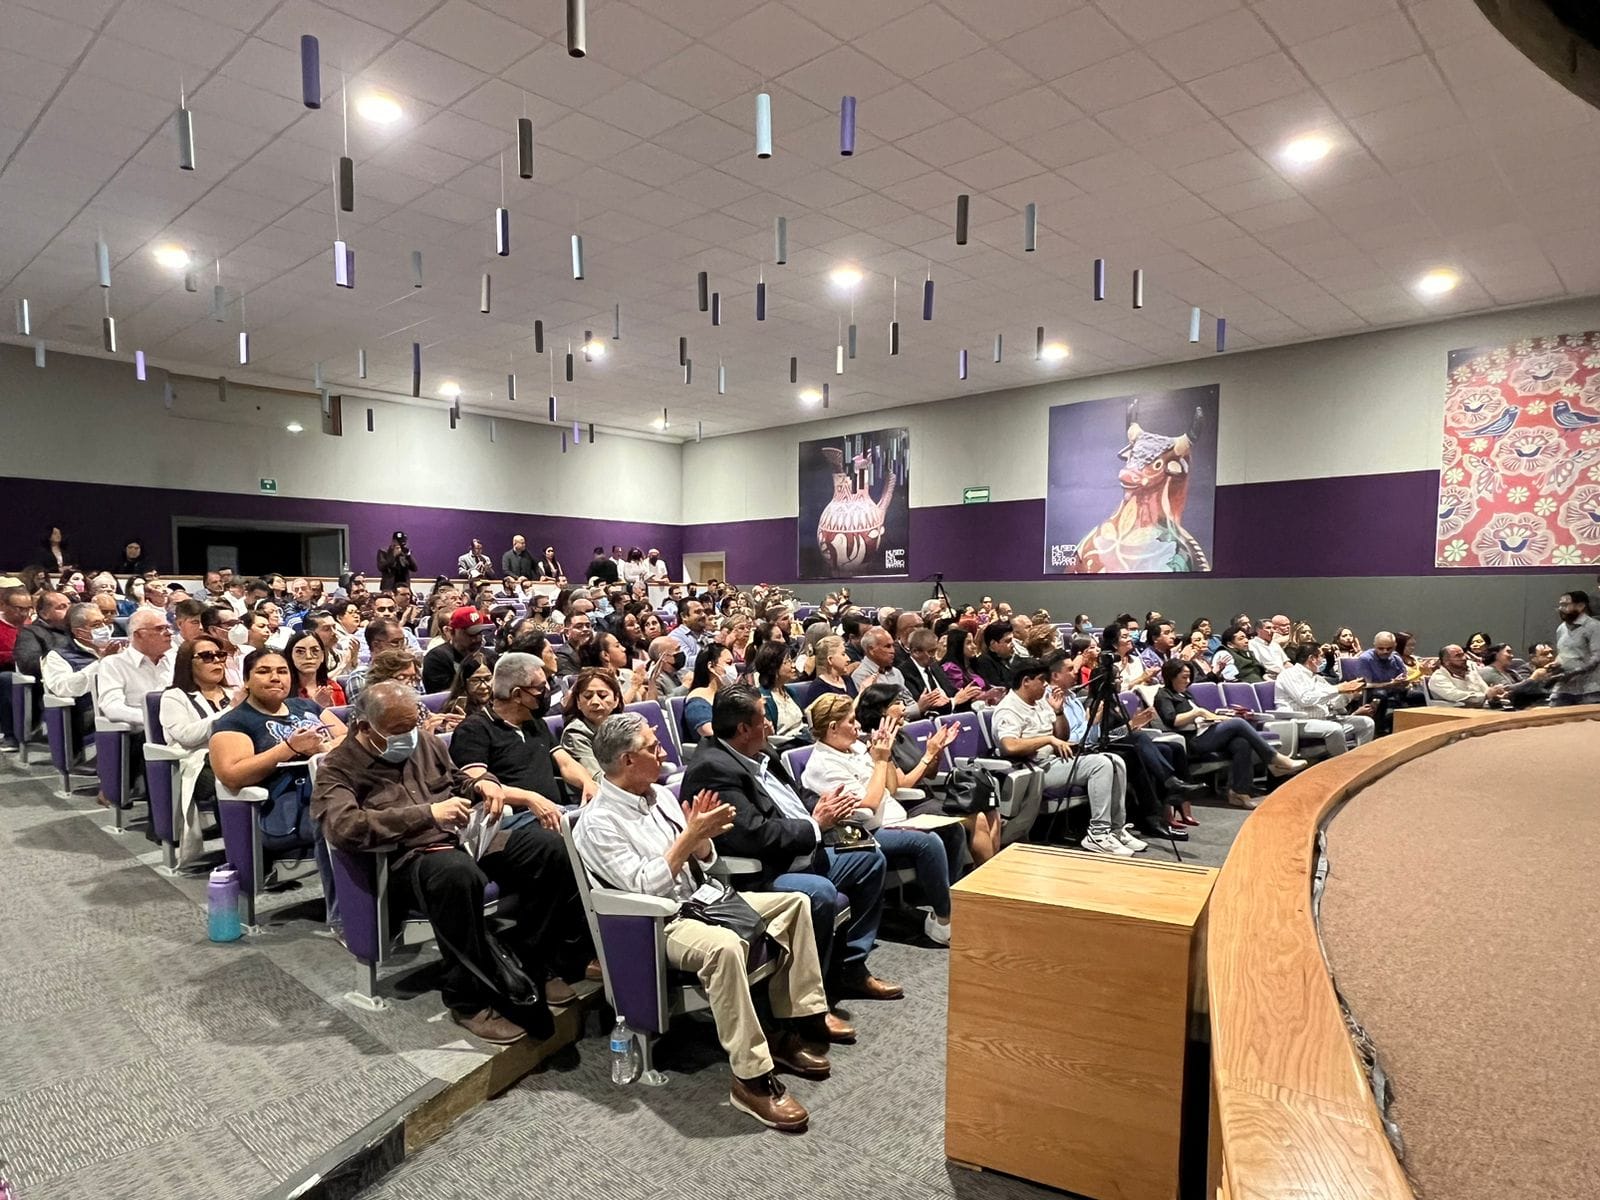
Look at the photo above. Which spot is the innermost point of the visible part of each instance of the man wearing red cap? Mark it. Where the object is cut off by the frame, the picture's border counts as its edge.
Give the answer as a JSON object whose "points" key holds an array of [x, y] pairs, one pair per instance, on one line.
{"points": [[466, 636]]}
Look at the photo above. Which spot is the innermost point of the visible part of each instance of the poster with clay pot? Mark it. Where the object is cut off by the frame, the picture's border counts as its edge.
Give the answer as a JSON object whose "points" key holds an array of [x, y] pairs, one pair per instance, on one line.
{"points": [[855, 515]]}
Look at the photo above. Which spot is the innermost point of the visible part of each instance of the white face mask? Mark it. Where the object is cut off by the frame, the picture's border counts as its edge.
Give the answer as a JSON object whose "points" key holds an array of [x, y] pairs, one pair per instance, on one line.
{"points": [[238, 634], [730, 674], [101, 634]]}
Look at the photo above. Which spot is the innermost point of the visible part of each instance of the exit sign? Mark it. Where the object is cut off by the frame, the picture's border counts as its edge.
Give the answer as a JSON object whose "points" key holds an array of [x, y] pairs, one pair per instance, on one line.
{"points": [[269, 485], [975, 495]]}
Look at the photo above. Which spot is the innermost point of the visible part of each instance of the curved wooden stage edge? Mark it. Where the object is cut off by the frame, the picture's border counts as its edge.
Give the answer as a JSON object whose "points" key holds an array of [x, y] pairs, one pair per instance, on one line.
{"points": [[1292, 1115]]}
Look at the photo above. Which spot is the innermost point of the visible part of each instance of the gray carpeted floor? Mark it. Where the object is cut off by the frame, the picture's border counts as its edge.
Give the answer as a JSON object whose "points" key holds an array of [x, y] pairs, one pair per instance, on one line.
{"points": [[877, 1128]]}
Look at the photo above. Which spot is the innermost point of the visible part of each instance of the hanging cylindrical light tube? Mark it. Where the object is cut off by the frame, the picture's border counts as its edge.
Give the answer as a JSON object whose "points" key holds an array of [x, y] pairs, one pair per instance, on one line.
{"points": [[683, 350], [699, 431], [483, 294], [108, 330], [999, 346], [688, 370], [577, 434], [219, 303], [347, 183], [24, 319], [191, 281], [927, 297], [361, 364], [1138, 287], [780, 240], [824, 395], [244, 348], [761, 298], [552, 410], [847, 126], [591, 433], [493, 431], [716, 308], [664, 422], [961, 364], [616, 322], [416, 268], [138, 365], [569, 362], [1099, 279], [702, 290], [963, 207], [722, 379], [538, 337], [341, 265], [577, 28], [563, 441], [1194, 325], [184, 122], [102, 262], [1222, 334], [894, 321], [1030, 227], [511, 387], [453, 417], [310, 71], [525, 147], [369, 420], [502, 232], [1038, 344], [838, 351], [38, 359], [316, 375], [763, 125], [416, 368], [794, 369], [588, 341], [577, 256], [850, 333]]}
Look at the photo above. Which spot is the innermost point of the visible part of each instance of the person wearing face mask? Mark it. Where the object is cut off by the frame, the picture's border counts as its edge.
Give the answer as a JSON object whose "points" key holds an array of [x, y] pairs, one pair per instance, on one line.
{"points": [[222, 623], [713, 670], [392, 785], [67, 670]]}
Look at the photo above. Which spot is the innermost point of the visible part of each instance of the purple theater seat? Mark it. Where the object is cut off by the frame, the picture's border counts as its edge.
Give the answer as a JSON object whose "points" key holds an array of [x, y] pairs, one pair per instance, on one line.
{"points": [[1209, 695], [652, 712], [557, 723], [1266, 695], [160, 773]]}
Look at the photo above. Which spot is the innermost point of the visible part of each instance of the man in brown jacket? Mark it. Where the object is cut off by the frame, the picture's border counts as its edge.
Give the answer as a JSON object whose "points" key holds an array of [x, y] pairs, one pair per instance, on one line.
{"points": [[391, 788]]}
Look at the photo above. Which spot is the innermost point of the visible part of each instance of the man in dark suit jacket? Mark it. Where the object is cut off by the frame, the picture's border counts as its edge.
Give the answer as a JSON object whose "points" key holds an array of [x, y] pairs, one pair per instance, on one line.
{"points": [[771, 823]]}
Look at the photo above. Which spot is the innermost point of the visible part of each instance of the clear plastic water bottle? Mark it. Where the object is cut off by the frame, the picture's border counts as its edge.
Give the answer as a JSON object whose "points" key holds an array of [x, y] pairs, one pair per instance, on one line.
{"points": [[222, 905], [625, 1060]]}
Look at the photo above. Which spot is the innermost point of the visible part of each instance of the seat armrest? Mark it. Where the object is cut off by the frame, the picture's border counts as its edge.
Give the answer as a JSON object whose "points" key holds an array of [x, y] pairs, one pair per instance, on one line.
{"points": [[51, 701], [248, 795], [1000, 766], [728, 864], [105, 725], [26, 680], [160, 752], [609, 903]]}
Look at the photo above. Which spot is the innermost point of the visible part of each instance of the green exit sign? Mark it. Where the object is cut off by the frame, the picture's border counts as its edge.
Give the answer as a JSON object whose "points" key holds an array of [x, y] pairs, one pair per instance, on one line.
{"points": [[975, 495], [271, 485]]}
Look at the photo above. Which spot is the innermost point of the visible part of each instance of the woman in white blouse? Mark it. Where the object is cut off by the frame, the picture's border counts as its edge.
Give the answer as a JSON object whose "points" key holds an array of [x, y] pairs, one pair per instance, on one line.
{"points": [[868, 775], [198, 696]]}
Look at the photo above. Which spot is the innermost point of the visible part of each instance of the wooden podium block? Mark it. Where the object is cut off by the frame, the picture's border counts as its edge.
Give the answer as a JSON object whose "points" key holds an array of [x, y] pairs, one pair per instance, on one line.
{"points": [[1073, 978]]}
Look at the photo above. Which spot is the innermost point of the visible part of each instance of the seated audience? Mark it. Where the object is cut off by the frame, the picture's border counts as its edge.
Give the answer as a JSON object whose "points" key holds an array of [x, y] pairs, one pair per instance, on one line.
{"points": [[637, 838], [145, 666], [1158, 644], [867, 775], [1476, 646], [268, 741], [512, 741], [1302, 690], [1577, 653], [577, 633], [471, 689], [1269, 646], [996, 641], [309, 658], [922, 673], [199, 695], [389, 784], [1193, 651], [1213, 734], [1029, 727], [439, 665], [1383, 670], [593, 696], [877, 666], [1527, 683], [46, 632], [774, 671], [713, 670], [959, 665], [382, 633], [606, 652], [1457, 684], [772, 823], [1118, 640], [831, 668]]}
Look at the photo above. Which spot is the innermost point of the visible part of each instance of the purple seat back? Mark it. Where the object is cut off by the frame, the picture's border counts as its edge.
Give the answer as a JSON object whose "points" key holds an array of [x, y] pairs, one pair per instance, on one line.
{"points": [[238, 819], [633, 961], [58, 730], [652, 712], [159, 776], [1349, 667], [795, 760], [557, 723], [969, 741], [434, 701], [1131, 703], [675, 704], [919, 732], [152, 719], [339, 710], [1207, 695], [17, 697], [1241, 694], [355, 882], [1266, 695], [109, 749]]}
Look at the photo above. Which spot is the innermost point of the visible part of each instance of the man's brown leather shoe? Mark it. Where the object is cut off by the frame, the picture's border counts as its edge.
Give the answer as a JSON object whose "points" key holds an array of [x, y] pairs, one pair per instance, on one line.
{"points": [[870, 987], [768, 1101], [789, 1051], [558, 992], [489, 1026], [840, 1031]]}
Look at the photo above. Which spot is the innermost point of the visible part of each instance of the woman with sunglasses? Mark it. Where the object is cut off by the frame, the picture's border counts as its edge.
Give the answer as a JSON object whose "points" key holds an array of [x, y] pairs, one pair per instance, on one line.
{"points": [[310, 664], [189, 708], [473, 687]]}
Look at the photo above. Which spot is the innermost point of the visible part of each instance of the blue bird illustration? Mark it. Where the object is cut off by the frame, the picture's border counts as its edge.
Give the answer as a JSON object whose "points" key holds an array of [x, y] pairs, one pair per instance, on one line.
{"points": [[1500, 424], [1568, 419]]}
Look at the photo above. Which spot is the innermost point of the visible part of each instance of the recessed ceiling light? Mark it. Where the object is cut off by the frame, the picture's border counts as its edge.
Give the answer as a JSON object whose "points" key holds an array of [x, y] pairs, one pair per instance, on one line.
{"points": [[173, 258], [1438, 282], [379, 109], [449, 389], [659, 423], [810, 396], [846, 277], [1054, 352], [594, 348], [295, 427], [1303, 151]]}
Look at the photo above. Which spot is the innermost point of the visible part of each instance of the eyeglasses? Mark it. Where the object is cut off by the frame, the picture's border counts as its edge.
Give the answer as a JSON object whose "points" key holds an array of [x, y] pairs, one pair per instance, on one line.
{"points": [[210, 656]]}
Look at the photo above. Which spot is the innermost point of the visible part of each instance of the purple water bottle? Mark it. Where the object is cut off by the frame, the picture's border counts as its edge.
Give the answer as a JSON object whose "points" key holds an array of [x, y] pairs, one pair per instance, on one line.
{"points": [[222, 905]]}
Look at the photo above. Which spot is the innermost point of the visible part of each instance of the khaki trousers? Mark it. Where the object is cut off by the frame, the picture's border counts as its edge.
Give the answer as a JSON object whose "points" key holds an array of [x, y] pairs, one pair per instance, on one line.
{"points": [[717, 956]]}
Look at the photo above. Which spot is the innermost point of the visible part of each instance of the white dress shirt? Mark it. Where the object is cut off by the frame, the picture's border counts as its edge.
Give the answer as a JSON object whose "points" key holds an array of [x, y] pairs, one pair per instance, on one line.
{"points": [[1270, 655], [61, 680], [126, 677], [1309, 694], [829, 767], [1470, 692], [623, 840]]}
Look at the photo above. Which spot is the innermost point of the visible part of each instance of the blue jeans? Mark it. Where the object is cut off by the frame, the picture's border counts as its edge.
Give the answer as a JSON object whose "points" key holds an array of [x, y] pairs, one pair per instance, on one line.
{"points": [[924, 853], [854, 878], [1567, 699], [1238, 741]]}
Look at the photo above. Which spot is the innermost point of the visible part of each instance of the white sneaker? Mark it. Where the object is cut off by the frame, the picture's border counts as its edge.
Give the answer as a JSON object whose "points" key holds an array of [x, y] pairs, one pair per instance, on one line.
{"points": [[1241, 800], [1104, 843], [1125, 836], [937, 931]]}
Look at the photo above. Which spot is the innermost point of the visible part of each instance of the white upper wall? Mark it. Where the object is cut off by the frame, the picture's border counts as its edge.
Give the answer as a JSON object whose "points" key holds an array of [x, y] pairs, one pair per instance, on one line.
{"points": [[1371, 404], [89, 419]]}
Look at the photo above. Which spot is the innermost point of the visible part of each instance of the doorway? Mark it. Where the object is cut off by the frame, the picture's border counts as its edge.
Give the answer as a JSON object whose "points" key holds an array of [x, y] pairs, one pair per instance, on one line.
{"points": [[259, 548], [705, 566]]}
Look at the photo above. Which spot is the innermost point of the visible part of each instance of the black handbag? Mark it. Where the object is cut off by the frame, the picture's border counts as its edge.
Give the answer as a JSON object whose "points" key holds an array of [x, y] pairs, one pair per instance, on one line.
{"points": [[518, 995], [968, 790], [849, 835], [730, 910]]}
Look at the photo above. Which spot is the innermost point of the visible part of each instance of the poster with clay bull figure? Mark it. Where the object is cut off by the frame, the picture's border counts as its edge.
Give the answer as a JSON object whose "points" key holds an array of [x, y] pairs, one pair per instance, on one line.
{"points": [[855, 517], [1132, 484]]}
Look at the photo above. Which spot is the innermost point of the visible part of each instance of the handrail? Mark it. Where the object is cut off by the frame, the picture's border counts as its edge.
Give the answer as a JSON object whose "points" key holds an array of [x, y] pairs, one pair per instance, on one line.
{"points": [[1292, 1112]]}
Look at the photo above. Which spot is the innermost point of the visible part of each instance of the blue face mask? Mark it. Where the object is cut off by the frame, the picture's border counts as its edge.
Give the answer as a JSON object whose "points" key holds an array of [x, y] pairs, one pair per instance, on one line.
{"points": [[399, 746]]}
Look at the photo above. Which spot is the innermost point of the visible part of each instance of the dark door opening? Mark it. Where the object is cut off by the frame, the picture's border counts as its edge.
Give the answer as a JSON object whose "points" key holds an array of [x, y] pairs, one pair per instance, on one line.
{"points": [[259, 549]]}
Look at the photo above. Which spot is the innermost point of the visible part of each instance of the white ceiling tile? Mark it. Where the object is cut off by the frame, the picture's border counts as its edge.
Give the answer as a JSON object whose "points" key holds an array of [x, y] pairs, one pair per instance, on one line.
{"points": [[639, 109], [1154, 115], [951, 141], [702, 77], [1114, 81], [995, 169], [1025, 114], [1147, 20], [771, 40], [996, 19], [630, 40], [1271, 77], [35, 34], [1225, 41], [572, 82], [474, 35], [414, 70], [1357, 48], [1302, 20], [902, 111], [1066, 44], [976, 79], [1413, 78], [344, 42], [919, 41]]}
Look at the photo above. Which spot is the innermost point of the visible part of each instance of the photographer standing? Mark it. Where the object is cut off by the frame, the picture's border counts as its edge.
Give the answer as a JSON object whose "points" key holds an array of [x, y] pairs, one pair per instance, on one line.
{"points": [[395, 563]]}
